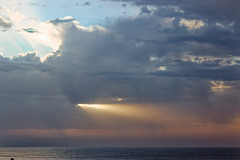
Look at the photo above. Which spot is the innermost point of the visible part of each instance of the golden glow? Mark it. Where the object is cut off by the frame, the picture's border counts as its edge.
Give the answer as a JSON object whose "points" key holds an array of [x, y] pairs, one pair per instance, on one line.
{"points": [[149, 121], [119, 99], [191, 24], [141, 122], [219, 86], [98, 106], [109, 114]]}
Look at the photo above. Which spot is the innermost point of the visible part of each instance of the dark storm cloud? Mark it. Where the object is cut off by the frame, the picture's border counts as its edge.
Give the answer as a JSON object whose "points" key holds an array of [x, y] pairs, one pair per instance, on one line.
{"points": [[206, 71], [216, 9], [144, 59], [210, 39], [25, 62], [30, 95], [88, 77]]}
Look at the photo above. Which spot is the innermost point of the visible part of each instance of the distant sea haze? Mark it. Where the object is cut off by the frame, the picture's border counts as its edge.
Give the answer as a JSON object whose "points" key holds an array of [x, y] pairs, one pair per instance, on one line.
{"points": [[120, 153]]}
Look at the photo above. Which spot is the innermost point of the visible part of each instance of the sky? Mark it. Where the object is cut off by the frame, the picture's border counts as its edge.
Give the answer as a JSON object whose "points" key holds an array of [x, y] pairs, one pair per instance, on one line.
{"points": [[119, 73]]}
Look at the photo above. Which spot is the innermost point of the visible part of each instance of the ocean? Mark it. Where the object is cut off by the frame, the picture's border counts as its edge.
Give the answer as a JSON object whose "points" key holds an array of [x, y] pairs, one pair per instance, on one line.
{"points": [[120, 153]]}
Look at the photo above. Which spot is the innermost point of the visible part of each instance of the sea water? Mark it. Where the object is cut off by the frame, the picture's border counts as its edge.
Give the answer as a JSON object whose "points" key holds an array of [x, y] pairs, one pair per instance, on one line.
{"points": [[120, 153]]}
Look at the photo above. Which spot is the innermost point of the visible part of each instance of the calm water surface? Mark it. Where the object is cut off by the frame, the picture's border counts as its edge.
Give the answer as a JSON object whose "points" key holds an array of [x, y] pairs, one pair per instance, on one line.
{"points": [[120, 153]]}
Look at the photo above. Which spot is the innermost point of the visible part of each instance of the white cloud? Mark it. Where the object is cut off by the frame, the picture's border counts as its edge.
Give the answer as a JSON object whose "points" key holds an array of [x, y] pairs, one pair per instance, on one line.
{"points": [[191, 24], [46, 34], [43, 37], [162, 68], [15, 17], [226, 26], [4, 23], [220, 25], [167, 22]]}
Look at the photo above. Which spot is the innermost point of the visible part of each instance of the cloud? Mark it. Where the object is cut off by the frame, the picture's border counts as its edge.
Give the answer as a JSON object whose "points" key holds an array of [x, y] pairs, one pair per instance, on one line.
{"points": [[4, 23], [212, 71], [15, 17], [191, 24], [104, 54], [30, 30], [29, 91], [157, 61], [28, 57], [124, 5], [221, 10], [145, 10], [62, 20], [45, 37], [36, 4], [87, 4]]}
